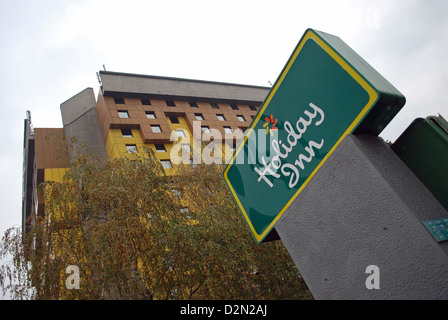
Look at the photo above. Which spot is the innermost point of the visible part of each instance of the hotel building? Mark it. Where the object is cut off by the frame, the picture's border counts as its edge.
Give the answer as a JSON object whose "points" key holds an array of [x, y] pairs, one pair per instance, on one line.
{"points": [[132, 111]]}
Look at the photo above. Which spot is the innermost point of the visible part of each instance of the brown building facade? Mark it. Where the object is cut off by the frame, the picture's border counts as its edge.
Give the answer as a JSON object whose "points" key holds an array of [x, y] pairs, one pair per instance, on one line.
{"points": [[132, 111]]}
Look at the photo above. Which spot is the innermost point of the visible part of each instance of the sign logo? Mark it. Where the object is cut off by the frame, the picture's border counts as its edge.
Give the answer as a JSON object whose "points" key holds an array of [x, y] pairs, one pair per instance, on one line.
{"points": [[319, 98], [270, 124], [282, 149]]}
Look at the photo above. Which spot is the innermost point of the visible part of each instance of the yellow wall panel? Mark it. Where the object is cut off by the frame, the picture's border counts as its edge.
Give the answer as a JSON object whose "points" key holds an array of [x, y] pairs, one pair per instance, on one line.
{"points": [[55, 174]]}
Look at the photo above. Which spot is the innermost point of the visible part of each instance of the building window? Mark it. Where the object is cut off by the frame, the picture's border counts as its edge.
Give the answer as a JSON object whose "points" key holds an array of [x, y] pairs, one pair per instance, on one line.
{"points": [[174, 119], [146, 102], [170, 103], [180, 133], [234, 107], [241, 118], [132, 148], [205, 129], [127, 133], [166, 164], [150, 114], [253, 108], [160, 148], [119, 100], [123, 114], [215, 106], [156, 129], [193, 104], [199, 116], [227, 130], [221, 117]]}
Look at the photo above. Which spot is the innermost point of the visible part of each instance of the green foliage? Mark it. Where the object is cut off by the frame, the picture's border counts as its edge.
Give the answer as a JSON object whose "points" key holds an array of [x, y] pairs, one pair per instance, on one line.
{"points": [[136, 233]]}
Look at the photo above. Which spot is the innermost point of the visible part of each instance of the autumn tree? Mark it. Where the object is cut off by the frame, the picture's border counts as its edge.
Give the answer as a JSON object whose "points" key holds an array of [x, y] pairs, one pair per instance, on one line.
{"points": [[136, 233]]}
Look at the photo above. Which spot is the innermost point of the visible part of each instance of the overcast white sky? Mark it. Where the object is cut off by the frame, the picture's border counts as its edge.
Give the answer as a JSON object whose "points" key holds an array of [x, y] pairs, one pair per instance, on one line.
{"points": [[52, 49]]}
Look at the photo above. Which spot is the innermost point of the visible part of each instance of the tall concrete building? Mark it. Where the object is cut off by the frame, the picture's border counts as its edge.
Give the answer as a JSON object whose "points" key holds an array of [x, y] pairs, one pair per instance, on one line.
{"points": [[132, 111]]}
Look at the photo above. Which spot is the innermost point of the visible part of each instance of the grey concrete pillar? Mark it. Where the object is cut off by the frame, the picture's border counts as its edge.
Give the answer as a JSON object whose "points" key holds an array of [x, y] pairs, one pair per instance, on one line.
{"points": [[364, 208], [81, 122]]}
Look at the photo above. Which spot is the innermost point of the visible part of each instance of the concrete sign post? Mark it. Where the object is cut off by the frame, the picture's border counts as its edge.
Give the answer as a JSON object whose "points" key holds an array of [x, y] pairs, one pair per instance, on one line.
{"points": [[325, 92]]}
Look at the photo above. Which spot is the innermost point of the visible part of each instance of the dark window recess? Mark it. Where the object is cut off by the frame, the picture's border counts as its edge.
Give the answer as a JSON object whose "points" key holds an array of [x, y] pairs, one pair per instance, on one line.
{"points": [[170, 103], [232, 145], [145, 102], [160, 148], [174, 119], [119, 100], [214, 106], [253, 108], [234, 107], [127, 133], [193, 104]]}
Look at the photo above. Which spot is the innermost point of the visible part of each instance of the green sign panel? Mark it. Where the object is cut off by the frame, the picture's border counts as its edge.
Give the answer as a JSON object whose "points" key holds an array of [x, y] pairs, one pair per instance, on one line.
{"points": [[324, 93]]}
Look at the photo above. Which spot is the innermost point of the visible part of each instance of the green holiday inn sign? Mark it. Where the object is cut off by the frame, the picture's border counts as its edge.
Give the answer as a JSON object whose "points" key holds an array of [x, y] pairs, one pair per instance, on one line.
{"points": [[325, 92]]}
